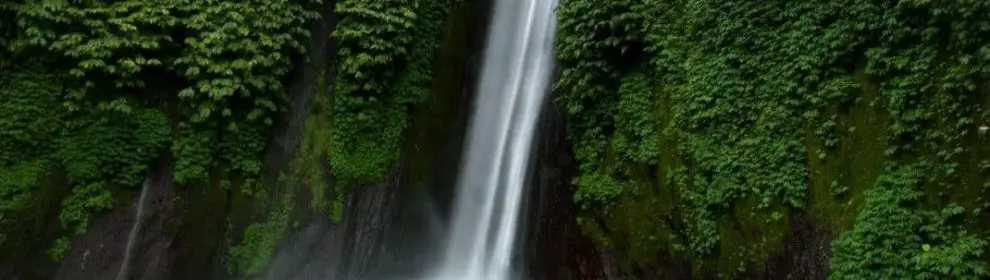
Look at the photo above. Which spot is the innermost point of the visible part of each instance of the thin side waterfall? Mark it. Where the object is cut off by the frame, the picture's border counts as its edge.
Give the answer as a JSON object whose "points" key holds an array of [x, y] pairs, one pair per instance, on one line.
{"points": [[138, 220], [514, 81]]}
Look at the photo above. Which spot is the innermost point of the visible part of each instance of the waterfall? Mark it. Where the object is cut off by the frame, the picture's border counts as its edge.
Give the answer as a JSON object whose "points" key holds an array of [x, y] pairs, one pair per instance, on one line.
{"points": [[514, 81], [138, 220]]}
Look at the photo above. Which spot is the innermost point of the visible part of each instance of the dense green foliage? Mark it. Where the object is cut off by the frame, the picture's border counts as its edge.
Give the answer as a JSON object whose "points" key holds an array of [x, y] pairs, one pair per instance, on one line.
{"points": [[731, 112], [202, 78], [224, 60], [385, 68], [700, 126], [28, 115], [94, 92], [916, 243], [95, 148]]}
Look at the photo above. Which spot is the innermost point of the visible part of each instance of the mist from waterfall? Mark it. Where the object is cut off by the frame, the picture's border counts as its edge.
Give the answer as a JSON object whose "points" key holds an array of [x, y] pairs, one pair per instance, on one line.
{"points": [[514, 81]]}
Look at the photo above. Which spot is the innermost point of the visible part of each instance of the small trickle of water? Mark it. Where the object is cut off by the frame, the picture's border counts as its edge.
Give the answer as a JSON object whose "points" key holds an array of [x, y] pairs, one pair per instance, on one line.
{"points": [[514, 81], [138, 221]]}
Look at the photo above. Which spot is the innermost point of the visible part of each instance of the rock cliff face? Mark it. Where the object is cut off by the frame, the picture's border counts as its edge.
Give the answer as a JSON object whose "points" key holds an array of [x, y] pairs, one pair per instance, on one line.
{"points": [[555, 248], [323, 250], [185, 232], [387, 226], [99, 253], [391, 228]]}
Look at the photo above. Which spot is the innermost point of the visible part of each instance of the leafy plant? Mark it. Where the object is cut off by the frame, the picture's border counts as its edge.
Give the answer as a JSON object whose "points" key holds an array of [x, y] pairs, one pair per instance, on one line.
{"points": [[59, 249], [385, 69], [726, 108], [260, 241], [127, 63], [892, 238]]}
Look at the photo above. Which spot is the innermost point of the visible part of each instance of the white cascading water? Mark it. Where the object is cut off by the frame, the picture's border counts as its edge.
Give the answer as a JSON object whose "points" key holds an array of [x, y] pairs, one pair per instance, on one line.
{"points": [[122, 274], [514, 82]]}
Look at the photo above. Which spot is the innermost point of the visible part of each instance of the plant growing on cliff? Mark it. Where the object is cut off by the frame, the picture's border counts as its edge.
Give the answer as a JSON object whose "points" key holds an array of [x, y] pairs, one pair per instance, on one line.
{"points": [[892, 238], [595, 41], [385, 68], [59, 249], [214, 67], [738, 94], [225, 66], [260, 240], [93, 147]]}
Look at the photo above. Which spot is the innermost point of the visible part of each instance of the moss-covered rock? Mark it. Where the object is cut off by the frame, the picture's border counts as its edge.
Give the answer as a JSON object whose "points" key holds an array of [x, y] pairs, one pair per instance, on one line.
{"points": [[771, 110]]}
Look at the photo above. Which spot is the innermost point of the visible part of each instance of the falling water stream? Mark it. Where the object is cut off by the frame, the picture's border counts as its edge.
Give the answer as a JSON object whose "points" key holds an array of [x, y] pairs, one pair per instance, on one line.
{"points": [[514, 81], [138, 220]]}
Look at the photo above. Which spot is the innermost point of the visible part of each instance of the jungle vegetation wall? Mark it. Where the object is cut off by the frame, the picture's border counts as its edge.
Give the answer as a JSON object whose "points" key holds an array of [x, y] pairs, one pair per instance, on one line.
{"points": [[704, 127], [94, 93]]}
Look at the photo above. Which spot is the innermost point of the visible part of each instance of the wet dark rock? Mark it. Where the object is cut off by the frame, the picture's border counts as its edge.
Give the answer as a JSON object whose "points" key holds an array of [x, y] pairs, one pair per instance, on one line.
{"points": [[391, 229], [323, 250], [555, 248], [99, 253], [805, 252]]}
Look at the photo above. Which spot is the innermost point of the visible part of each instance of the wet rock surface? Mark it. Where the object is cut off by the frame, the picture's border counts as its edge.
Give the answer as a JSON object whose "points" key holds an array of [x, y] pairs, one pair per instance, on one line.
{"points": [[555, 248], [99, 253], [391, 229], [324, 250], [805, 252]]}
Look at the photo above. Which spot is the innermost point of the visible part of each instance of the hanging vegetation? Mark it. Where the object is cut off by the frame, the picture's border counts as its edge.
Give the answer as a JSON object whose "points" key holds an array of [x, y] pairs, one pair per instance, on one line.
{"points": [[702, 125]]}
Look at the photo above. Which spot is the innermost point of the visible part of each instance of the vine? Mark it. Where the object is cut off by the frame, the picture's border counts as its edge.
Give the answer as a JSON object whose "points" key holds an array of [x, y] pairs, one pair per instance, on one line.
{"points": [[734, 96], [917, 243], [385, 68], [115, 151], [137, 69], [95, 148], [231, 53], [594, 40]]}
